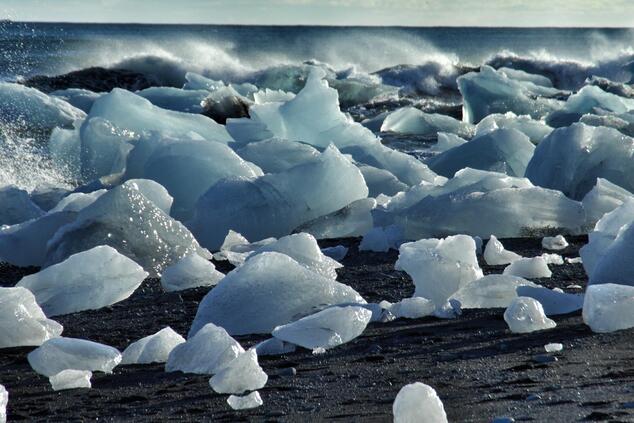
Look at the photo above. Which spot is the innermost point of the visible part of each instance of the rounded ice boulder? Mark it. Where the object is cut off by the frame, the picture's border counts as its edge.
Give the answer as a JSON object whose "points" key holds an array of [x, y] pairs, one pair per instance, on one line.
{"points": [[525, 315], [418, 403]]}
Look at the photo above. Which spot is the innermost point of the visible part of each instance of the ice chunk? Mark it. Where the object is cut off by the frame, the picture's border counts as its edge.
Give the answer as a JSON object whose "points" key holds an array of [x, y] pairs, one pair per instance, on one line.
{"points": [[270, 289], [326, 329], [126, 220], [22, 321], [242, 374], [154, 192], [418, 402], [277, 155], [381, 181], [446, 142], [554, 242], [46, 195], [77, 201], [553, 259], [535, 130], [89, 280], [64, 147], [176, 99], [609, 307], [336, 253], [275, 204], [587, 100], [571, 159], [303, 248], [59, 354], [236, 248], [553, 301], [71, 379], [490, 291], [152, 349], [351, 221], [603, 198], [382, 239], [104, 148], [503, 150], [16, 206], [525, 315], [209, 350], [495, 254], [553, 347], [520, 75], [439, 267], [272, 96], [77, 97], [253, 400], [412, 308], [488, 92], [410, 120], [190, 272], [4, 400], [274, 346], [534, 267]]}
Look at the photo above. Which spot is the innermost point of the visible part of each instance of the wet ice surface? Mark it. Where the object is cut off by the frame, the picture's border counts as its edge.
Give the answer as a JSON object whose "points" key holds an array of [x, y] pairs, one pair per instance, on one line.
{"points": [[71, 379], [418, 402]]}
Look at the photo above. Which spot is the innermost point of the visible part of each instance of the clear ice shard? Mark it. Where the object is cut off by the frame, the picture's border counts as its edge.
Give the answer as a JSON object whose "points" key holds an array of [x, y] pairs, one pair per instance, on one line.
{"points": [[206, 352], [22, 321], [440, 267], [490, 291], [89, 280], [525, 315], [59, 354], [418, 402], [241, 375], [153, 348], [274, 205], [192, 271], [270, 289], [326, 329], [126, 220], [413, 308], [495, 254], [71, 379], [609, 307]]}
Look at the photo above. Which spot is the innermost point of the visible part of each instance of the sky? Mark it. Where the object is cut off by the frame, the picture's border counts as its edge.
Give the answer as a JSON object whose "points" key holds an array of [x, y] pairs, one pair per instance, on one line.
{"points": [[586, 13]]}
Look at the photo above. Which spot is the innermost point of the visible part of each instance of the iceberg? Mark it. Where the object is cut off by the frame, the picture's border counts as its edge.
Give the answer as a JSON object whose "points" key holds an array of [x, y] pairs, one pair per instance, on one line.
{"points": [[71, 379], [241, 375], [206, 352], [553, 301], [503, 150], [126, 220], [418, 402], [153, 348], [253, 400], [529, 268], [270, 289], [16, 206], [326, 329], [439, 267], [58, 354], [526, 315], [192, 271], [351, 221], [495, 254], [89, 280], [490, 291], [22, 321], [571, 159], [554, 243], [276, 204], [412, 121], [609, 307]]}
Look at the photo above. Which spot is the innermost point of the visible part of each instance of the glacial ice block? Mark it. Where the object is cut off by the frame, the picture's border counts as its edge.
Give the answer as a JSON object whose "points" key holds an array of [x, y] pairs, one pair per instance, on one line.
{"points": [[192, 271], [16, 206], [104, 148], [412, 121], [439, 267], [89, 280], [503, 150], [22, 321], [59, 354], [77, 97], [490, 291], [413, 308], [571, 159], [353, 220], [4, 400], [553, 301], [446, 141], [274, 346], [277, 155], [206, 352], [253, 400], [525, 315], [326, 329], [276, 204], [126, 220], [176, 99], [616, 264], [418, 402], [529, 268], [71, 379], [153, 348], [587, 100], [269, 290], [602, 199], [554, 243], [382, 239], [609, 307], [77, 200], [154, 192], [495, 254], [240, 375], [534, 129], [381, 181]]}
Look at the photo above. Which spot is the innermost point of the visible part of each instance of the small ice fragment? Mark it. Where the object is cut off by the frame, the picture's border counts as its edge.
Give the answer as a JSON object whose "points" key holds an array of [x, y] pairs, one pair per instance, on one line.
{"points": [[609, 307], [4, 400], [337, 253], [381, 240], [554, 301], [450, 310], [555, 259], [574, 287], [274, 346], [71, 379], [553, 347], [527, 315], [574, 260], [319, 351], [152, 349], [241, 375], [253, 400], [192, 271], [413, 308], [491, 291], [528, 268], [418, 402], [495, 254], [554, 242]]}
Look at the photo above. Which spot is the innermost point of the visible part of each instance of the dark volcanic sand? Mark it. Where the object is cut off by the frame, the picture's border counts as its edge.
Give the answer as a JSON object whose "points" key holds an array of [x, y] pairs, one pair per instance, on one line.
{"points": [[479, 369]]}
